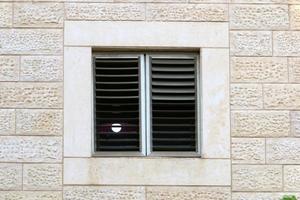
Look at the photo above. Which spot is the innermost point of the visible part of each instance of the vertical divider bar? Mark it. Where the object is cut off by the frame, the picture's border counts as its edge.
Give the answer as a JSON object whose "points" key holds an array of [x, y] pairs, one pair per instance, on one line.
{"points": [[198, 76], [142, 105], [148, 105]]}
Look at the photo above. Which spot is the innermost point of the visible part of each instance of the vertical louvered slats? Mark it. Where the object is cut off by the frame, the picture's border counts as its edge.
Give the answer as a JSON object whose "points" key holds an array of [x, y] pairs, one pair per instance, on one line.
{"points": [[173, 103], [116, 99]]}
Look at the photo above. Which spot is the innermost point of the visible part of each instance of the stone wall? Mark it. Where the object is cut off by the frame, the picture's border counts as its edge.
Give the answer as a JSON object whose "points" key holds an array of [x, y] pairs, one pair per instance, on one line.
{"points": [[265, 97]]}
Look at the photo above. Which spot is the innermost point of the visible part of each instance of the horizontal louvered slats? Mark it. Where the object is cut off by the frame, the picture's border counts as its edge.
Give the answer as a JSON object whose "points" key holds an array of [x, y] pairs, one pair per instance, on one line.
{"points": [[117, 102], [173, 98]]}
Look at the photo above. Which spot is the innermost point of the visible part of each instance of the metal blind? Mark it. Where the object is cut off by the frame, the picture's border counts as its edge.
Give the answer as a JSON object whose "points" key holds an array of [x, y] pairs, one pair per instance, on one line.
{"points": [[117, 104], [173, 103]]}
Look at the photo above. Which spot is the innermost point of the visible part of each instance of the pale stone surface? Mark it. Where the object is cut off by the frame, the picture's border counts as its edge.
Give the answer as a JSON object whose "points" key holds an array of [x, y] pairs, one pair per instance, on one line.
{"points": [[7, 121], [6, 10], [35, 41], [294, 70], [283, 150], [23, 195], [248, 150], [261, 196], [282, 96], [246, 96], [286, 43], [30, 149], [262, 1], [209, 1], [140, 171], [215, 103], [39, 122], [38, 14], [251, 43], [10, 176], [95, 11], [187, 12], [104, 193], [41, 68], [42, 177], [9, 68], [188, 193], [259, 69], [295, 123], [137, 34], [291, 177], [295, 16], [151, 1], [259, 17], [256, 177], [31, 95], [260, 123]]}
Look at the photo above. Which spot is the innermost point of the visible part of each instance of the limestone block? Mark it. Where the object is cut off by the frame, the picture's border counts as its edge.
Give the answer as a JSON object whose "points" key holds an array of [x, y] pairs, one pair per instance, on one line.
{"points": [[262, 1], [295, 16], [291, 177], [259, 17], [260, 123], [151, 1], [38, 14], [104, 193], [188, 193], [31, 41], [282, 96], [39, 122], [209, 1], [187, 12], [251, 43], [295, 123], [10, 176], [261, 196], [294, 70], [31, 95], [42, 177], [41, 68], [286, 43], [9, 68], [100, 11], [283, 150], [6, 10], [30, 149], [256, 177], [249, 151], [246, 96], [7, 121], [259, 69], [23, 195]]}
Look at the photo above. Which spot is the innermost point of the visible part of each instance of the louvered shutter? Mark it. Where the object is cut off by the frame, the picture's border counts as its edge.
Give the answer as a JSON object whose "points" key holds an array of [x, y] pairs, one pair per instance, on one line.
{"points": [[173, 104], [116, 100]]}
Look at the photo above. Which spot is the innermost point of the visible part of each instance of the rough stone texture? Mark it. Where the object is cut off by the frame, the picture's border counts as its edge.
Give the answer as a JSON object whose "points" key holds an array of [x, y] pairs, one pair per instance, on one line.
{"points": [[256, 178], [295, 123], [246, 96], [294, 70], [38, 14], [286, 43], [260, 123], [9, 68], [187, 12], [248, 150], [251, 43], [22, 195], [295, 16], [6, 10], [188, 193], [209, 1], [97, 11], [263, 1], [259, 69], [7, 121], [10, 176], [35, 41], [291, 177], [283, 150], [31, 95], [42, 177], [259, 17], [39, 122], [104, 193], [41, 68], [282, 96], [261, 196], [30, 149]]}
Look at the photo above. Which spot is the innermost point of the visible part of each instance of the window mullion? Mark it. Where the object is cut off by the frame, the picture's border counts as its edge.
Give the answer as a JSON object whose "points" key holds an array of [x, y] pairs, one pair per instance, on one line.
{"points": [[143, 132], [148, 104]]}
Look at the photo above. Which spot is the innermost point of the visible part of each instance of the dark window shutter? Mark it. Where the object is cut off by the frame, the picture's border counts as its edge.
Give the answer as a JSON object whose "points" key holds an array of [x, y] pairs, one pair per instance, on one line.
{"points": [[116, 99], [173, 105]]}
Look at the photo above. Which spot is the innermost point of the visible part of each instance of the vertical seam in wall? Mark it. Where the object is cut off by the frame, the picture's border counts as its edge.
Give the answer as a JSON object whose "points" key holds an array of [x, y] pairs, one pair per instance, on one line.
{"points": [[229, 101], [63, 107]]}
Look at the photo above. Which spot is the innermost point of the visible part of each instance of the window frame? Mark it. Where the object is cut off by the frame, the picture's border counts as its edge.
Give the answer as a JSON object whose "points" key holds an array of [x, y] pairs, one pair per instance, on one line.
{"points": [[145, 103]]}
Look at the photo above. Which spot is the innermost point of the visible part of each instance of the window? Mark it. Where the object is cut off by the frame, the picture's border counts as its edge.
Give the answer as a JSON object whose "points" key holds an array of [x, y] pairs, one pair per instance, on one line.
{"points": [[146, 104]]}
